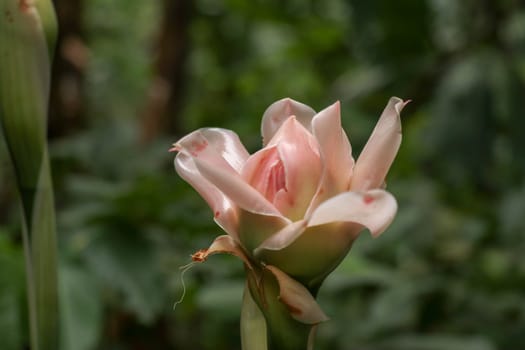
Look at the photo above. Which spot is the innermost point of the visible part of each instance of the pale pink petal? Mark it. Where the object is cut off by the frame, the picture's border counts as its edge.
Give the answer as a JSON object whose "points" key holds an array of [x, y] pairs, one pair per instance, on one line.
{"points": [[374, 209], [300, 303], [279, 111], [380, 150], [213, 165], [336, 154], [234, 187], [284, 237], [299, 153], [225, 143], [265, 172], [224, 212], [222, 244]]}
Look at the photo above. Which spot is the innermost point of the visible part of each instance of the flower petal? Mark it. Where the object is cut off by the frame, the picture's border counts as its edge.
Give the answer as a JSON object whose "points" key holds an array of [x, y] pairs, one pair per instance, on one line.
{"points": [[297, 298], [213, 163], [229, 182], [265, 172], [299, 153], [374, 209], [225, 212], [255, 229], [224, 142], [284, 237], [279, 111], [380, 150], [313, 253], [336, 154]]}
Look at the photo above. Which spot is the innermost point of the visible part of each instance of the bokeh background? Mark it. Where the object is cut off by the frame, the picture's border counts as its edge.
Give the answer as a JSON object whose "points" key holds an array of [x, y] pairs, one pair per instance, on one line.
{"points": [[131, 77]]}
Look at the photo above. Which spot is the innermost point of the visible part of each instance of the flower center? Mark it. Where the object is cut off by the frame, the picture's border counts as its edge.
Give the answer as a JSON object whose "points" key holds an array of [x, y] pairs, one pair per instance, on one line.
{"points": [[276, 180], [267, 173]]}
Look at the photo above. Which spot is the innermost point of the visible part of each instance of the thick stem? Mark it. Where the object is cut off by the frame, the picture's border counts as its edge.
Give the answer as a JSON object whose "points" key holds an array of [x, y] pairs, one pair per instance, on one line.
{"points": [[253, 324]]}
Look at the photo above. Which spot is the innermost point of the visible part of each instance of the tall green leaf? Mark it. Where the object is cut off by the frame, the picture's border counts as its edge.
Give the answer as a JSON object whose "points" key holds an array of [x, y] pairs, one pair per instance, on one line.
{"points": [[27, 37]]}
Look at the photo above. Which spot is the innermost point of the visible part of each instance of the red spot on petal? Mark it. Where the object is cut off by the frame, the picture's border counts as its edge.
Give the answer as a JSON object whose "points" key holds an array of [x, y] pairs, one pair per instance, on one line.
{"points": [[293, 310], [23, 5], [198, 147], [367, 199], [217, 214], [201, 146]]}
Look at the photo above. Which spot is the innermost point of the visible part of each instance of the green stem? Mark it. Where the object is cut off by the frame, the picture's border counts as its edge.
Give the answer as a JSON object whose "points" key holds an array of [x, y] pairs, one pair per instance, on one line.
{"points": [[44, 254], [253, 324], [30, 287]]}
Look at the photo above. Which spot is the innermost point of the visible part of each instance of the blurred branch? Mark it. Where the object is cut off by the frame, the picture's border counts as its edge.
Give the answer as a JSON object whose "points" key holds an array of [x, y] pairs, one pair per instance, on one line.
{"points": [[167, 86], [66, 102]]}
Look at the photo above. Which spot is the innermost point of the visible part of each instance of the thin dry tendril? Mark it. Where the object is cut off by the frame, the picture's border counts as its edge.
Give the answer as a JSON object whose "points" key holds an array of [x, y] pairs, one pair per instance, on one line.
{"points": [[184, 269]]}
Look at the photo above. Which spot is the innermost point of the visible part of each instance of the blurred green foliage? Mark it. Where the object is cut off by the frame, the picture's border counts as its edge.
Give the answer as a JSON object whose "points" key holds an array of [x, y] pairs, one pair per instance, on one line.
{"points": [[449, 274]]}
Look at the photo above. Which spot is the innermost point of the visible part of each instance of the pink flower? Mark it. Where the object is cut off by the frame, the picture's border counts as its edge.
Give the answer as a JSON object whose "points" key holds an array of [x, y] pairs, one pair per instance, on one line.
{"points": [[297, 204]]}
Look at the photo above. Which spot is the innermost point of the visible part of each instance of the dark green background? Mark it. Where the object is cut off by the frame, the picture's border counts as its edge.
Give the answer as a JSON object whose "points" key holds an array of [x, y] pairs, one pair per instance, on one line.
{"points": [[449, 274]]}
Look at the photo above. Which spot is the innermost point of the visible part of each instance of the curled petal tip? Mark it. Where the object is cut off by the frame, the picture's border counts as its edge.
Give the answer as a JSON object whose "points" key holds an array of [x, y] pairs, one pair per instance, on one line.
{"points": [[380, 150], [174, 148], [400, 103], [404, 103], [288, 104], [279, 111]]}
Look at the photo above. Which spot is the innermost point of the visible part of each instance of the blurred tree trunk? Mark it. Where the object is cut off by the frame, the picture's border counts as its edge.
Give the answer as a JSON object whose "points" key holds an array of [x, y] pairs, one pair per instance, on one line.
{"points": [[165, 94], [66, 101]]}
